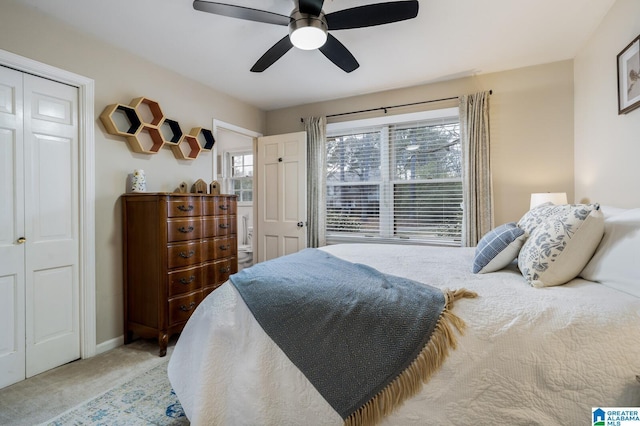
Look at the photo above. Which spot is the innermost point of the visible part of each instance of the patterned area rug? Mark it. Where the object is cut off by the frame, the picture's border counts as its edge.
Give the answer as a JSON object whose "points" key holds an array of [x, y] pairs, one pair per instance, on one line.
{"points": [[146, 400]]}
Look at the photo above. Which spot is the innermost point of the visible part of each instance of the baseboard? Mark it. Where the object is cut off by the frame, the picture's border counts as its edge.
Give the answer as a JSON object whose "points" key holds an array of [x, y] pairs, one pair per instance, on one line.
{"points": [[109, 344]]}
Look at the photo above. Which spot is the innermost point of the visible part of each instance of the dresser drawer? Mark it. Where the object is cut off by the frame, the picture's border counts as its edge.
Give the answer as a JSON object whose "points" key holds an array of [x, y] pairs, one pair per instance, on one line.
{"points": [[217, 272], [219, 206], [220, 247], [181, 308], [184, 229], [185, 254], [217, 226], [183, 281], [184, 206]]}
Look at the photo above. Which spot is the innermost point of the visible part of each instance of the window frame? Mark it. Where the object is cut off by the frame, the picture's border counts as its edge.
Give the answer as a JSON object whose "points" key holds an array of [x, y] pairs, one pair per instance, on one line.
{"points": [[228, 174], [387, 179]]}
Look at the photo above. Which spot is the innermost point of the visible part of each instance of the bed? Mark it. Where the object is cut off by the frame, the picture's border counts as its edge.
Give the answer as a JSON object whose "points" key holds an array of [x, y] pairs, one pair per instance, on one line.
{"points": [[533, 350]]}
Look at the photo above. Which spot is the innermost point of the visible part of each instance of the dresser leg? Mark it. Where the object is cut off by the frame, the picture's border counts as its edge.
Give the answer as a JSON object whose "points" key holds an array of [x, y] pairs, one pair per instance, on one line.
{"points": [[163, 341], [128, 337]]}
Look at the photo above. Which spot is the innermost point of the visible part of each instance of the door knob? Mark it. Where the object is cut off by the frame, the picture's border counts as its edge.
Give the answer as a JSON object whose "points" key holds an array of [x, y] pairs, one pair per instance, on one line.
{"points": [[22, 240], [300, 224]]}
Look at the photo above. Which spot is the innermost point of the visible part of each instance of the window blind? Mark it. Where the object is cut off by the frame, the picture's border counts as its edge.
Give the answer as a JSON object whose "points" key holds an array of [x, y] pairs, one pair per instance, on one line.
{"points": [[395, 182]]}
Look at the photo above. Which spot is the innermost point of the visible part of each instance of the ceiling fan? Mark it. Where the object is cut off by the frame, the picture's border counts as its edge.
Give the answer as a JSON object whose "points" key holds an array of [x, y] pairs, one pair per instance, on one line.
{"points": [[309, 26]]}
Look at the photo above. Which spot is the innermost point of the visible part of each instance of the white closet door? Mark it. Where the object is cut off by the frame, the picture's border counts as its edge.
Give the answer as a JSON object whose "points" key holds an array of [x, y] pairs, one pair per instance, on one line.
{"points": [[39, 240], [51, 224], [12, 252]]}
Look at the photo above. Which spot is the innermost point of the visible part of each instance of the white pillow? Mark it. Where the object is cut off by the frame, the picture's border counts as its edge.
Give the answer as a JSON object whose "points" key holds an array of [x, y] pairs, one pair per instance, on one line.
{"points": [[609, 211], [560, 247], [498, 248], [616, 262]]}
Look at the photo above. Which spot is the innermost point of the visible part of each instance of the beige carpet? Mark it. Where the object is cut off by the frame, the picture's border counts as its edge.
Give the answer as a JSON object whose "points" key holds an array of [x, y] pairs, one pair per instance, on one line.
{"points": [[49, 394]]}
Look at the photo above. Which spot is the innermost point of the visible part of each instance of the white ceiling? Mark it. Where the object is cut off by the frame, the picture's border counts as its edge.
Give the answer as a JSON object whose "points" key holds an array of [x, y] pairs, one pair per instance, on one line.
{"points": [[449, 39]]}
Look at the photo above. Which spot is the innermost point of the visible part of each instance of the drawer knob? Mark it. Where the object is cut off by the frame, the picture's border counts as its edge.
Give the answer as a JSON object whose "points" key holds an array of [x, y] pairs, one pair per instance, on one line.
{"points": [[186, 255], [186, 230], [224, 207], [223, 225], [225, 269], [185, 308], [186, 281], [223, 247], [184, 208]]}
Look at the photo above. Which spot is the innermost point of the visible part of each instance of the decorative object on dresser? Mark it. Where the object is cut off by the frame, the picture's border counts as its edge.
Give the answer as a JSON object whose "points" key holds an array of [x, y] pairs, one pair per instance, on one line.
{"points": [[182, 188], [138, 181], [199, 187], [177, 248], [214, 188]]}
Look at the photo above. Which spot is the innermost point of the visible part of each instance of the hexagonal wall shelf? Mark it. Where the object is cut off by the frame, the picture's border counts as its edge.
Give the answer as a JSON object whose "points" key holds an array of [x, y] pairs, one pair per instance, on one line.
{"points": [[204, 137], [148, 140], [187, 149], [171, 132], [147, 130], [121, 120], [149, 111]]}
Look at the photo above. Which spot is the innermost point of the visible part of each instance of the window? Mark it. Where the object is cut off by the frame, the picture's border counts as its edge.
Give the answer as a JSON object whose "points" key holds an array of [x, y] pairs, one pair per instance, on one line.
{"points": [[241, 176], [396, 179]]}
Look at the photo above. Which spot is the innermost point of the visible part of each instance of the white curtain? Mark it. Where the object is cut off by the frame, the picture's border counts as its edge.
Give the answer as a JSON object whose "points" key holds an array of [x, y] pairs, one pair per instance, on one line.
{"points": [[316, 128], [477, 186]]}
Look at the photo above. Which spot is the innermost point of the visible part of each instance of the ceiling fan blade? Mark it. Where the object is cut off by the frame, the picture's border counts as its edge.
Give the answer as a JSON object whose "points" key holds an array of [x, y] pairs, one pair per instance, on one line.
{"points": [[312, 7], [338, 54], [241, 12], [273, 54], [372, 14]]}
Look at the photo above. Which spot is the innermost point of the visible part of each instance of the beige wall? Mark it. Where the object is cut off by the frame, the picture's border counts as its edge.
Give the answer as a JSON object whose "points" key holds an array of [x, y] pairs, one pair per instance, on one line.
{"points": [[531, 113], [120, 77], [607, 146]]}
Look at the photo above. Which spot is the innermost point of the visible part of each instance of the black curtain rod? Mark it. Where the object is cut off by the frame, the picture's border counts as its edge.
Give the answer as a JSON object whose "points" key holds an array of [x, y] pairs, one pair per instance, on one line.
{"points": [[392, 106]]}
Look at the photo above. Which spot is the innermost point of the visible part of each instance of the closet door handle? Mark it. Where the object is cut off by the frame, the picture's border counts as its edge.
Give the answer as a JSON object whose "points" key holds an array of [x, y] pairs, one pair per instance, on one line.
{"points": [[21, 240]]}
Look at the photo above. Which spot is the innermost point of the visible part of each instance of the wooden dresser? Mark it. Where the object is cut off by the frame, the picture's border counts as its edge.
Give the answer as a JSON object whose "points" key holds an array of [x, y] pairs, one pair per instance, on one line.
{"points": [[177, 248]]}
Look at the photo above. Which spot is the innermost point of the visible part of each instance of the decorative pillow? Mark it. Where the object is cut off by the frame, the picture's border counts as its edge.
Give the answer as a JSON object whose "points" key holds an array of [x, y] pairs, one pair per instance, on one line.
{"points": [[561, 245], [536, 216], [616, 262], [498, 248]]}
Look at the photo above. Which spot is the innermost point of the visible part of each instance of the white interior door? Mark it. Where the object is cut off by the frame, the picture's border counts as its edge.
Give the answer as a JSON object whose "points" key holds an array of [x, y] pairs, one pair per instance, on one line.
{"points": [[41, 281], [281, 195], [12, 252], [51, 224]]}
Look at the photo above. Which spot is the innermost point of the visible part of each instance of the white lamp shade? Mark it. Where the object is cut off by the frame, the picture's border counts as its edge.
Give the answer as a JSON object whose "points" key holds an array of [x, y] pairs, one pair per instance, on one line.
{"points": [[545, 197]]}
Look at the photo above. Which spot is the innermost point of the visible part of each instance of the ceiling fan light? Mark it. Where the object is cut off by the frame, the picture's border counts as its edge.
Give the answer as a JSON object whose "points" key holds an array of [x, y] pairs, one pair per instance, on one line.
{"points": [[308, 38], [307, 32]]}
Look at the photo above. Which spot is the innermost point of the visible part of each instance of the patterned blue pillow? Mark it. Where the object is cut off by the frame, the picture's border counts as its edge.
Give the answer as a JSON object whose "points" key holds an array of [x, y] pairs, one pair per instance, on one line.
{"points": [[560, 247], [498, 248]]}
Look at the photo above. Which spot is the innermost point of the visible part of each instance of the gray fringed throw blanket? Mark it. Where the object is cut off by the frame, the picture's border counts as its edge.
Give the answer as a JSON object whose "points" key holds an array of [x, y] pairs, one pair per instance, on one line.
{"points": [[364, 339]]}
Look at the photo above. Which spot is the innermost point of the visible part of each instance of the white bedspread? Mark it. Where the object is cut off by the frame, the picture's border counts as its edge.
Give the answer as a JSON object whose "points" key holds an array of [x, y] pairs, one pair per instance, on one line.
{"points": [[529, 355]]}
